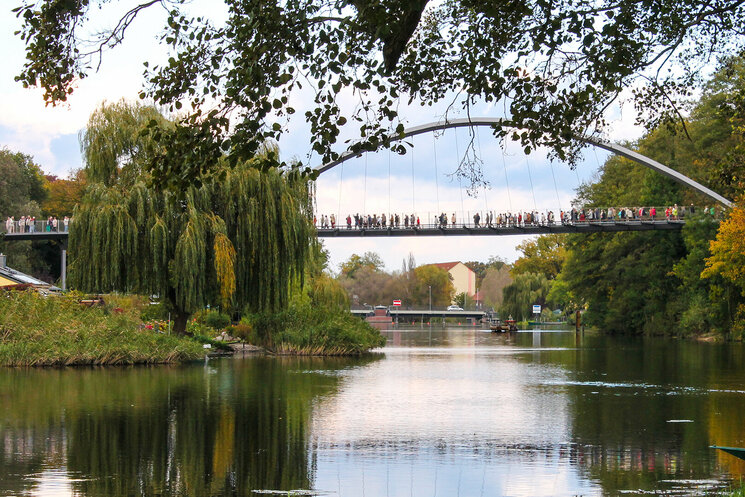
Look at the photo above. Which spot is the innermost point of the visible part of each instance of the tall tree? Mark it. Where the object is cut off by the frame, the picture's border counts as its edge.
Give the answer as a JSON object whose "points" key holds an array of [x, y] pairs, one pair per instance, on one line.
{"points": [[355, 262], [21, 182], [525, 290], [22, 192], [481, 268], [544, 255], [493, 285], [556, 66], [241, 239], [434, 281], [64, 194]]}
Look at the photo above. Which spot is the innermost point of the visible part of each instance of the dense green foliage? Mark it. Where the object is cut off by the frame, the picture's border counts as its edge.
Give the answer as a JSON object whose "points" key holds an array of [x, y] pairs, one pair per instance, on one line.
{"points": [[648, 282], [307, 329], [652, 282], [525, 290], [58, 331], [241, 239], [555, 66], [544, 255], [533, 276], [23, 186], [214, 319], [23, 191]]}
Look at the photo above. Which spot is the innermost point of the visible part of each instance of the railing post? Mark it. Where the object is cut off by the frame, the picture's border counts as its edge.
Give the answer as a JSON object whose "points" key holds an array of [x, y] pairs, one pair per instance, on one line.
{"points": [[64, 267]]}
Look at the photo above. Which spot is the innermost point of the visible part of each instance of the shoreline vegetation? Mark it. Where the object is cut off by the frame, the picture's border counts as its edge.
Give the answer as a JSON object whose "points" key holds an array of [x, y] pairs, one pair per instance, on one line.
{"points": [[307, 329], [38, 330]]}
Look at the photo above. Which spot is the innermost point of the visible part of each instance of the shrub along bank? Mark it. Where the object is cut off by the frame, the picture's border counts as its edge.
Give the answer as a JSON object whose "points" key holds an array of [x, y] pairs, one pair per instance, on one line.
{"points": [[306, 329], [58, 331]]}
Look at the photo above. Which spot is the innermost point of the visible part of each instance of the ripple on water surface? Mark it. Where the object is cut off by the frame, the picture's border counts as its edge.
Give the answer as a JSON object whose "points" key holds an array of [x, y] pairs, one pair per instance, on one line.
{"points": [[441, 412]]}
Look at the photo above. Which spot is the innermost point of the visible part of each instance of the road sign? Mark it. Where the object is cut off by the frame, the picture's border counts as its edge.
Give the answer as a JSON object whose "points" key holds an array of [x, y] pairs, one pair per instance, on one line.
{"points": [[397, 303], [536, 309]]}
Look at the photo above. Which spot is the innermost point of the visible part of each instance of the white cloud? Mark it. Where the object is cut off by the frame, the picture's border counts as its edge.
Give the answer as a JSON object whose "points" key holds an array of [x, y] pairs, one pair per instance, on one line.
{"points": [[28, 125]]}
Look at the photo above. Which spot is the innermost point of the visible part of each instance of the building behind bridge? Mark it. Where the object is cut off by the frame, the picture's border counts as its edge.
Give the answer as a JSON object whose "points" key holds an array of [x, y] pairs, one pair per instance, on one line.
{"points": [[464, 279]]}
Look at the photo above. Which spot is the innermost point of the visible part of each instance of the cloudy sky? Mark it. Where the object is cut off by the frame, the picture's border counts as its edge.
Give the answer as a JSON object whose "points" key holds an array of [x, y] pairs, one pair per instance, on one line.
{"points": [[420, 181]]}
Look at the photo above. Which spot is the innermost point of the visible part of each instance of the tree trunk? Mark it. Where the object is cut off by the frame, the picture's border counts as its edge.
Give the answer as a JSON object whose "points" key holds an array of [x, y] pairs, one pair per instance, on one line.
{"points": [[179, 322]]}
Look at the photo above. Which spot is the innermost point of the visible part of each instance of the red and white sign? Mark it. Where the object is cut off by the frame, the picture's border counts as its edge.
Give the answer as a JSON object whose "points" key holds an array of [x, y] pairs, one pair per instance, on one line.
{"points": [[397, 302]]}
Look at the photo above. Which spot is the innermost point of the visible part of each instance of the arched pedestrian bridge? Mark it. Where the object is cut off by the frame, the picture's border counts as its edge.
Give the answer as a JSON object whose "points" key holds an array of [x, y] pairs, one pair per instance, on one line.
{"points": [[546, 222]]}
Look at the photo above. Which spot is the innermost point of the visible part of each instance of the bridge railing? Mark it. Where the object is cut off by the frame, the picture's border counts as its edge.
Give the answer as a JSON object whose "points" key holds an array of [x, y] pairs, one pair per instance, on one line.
{"points": [[443, 221], [393, 308], [519, 219], [38, 226]]}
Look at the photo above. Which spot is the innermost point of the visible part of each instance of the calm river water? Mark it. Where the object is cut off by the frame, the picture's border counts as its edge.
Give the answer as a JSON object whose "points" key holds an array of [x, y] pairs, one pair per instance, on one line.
{"points": [[436, 413]]}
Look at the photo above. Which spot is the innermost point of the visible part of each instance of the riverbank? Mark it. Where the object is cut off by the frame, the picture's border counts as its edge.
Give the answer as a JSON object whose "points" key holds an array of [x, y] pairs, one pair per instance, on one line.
{"points": [[58, 331], [307, 330]]}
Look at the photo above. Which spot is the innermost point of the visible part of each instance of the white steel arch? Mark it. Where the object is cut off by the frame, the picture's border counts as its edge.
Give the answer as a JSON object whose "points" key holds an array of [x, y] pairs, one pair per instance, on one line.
{"points": [[491, 121]]}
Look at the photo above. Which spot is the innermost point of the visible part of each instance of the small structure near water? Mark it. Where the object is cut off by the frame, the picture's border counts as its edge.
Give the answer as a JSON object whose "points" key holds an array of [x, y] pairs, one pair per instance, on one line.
{"points": [[381, 318], [11, 279]]}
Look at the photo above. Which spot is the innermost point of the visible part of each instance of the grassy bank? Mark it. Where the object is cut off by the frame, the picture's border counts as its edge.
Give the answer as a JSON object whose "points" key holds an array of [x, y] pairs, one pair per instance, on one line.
{"points": [[738, 490], [304, 329], [58, 331]]}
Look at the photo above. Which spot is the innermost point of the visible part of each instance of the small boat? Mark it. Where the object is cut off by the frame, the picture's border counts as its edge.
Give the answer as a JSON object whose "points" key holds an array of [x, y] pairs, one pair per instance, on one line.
{"points": [[735, 451], [497, 326]]}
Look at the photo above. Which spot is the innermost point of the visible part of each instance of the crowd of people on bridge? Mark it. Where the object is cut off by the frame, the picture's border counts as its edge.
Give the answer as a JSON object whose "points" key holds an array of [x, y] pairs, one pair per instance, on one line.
{"points": [[510, 219], [29, 224]]}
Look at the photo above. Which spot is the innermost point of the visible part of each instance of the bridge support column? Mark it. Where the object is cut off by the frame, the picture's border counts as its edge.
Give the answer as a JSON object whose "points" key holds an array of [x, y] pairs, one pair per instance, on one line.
{"points": [[63, 268]]}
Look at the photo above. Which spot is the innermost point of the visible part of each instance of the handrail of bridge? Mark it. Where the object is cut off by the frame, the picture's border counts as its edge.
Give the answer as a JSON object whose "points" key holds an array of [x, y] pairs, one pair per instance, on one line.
{"points": [[494, 230], [42, 229], [518, 219], [492, 121], [38, 226]]}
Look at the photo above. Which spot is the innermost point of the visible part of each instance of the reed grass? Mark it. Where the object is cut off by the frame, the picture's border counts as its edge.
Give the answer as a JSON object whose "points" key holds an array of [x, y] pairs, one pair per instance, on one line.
{"points": [[58, 331], [738, 490], [308, 330]]}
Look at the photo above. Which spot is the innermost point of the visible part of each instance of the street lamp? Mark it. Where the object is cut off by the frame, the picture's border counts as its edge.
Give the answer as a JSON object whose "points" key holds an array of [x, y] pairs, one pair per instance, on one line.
{"points": [[430, 297]]}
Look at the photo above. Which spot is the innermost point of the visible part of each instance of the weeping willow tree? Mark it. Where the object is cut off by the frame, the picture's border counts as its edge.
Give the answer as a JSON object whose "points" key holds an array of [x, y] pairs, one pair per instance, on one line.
{"points": [[242, 239]]}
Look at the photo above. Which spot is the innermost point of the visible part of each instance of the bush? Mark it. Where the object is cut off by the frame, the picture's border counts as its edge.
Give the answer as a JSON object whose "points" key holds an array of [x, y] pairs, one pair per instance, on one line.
{"points": [[304, 329], [242, 331], [214, 319], [59, 331], [154, 312], [196, 328]]}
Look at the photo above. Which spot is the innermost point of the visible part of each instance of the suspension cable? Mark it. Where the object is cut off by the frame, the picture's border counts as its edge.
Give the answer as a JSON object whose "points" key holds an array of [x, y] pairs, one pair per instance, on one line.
{"points": [[530, 176], [506, 181], [437, 182], [364, 194], [481, 155], [556, 188], [460, 184], [341, 181], [389, 181], [576, 174], [413, 198]]}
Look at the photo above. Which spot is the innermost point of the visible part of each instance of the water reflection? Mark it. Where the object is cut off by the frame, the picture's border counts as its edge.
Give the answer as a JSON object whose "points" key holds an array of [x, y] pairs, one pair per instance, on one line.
{"points": [[226, 428], [442, 412]]}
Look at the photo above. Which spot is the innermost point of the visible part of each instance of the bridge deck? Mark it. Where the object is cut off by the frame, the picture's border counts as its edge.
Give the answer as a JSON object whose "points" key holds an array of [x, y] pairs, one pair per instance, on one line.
{"points": [[424, 312], [38, 235], [430, 230], [579, 227]]}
